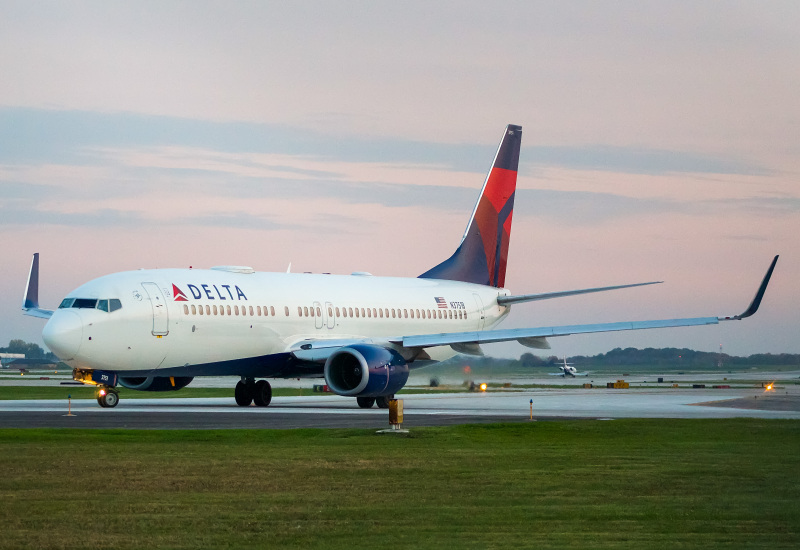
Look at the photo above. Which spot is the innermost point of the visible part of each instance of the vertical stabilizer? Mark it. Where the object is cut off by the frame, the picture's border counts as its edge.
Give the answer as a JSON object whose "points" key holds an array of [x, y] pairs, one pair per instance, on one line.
{"points": [[483, 253]]}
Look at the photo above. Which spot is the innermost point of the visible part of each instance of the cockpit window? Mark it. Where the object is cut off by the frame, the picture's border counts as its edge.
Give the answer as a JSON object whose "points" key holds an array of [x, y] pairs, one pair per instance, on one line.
{"points": [[112, 304]]}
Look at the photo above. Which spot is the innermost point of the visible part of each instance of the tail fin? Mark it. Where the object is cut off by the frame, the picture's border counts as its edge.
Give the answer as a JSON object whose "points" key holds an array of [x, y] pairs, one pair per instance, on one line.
{"points": [[483, 253]]}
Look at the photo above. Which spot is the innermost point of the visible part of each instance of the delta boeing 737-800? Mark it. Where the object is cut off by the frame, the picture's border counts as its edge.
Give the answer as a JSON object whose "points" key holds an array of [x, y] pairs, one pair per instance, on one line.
{"points": [[155, 330]]}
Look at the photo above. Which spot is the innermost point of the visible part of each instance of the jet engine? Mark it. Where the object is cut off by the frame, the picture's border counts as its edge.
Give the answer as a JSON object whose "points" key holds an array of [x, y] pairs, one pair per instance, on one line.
{"points": [[363, 370], [155, 383]]}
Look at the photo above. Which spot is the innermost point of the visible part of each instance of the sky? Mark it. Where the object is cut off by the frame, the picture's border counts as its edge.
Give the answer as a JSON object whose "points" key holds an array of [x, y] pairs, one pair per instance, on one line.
{"points": [[661, 141]]}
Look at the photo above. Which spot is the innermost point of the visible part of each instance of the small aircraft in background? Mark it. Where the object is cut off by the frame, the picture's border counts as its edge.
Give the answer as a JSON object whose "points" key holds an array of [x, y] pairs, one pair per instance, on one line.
{"points": [[568, 370]]}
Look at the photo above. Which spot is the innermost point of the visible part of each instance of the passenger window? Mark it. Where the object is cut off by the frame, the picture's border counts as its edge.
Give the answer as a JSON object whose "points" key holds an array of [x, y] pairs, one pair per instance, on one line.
{"points": [[227, 310], [215, 310], [465, 315], [305, 311], [381, 313], [319, 313], [369, 313], [337, 311], [272, 310], [194, 309], [251, 311], [102, 305], [208, 310], [357, 313], [235, 310], [405, 313], [330, 311], [185, 309], [350, 311], [299, 311], [286, 310], [201, 310]]}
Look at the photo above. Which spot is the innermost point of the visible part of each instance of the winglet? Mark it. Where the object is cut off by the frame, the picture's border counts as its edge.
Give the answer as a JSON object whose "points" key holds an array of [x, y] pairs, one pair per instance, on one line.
{"points": [[30, 302], [31, 299], [753, 307]]}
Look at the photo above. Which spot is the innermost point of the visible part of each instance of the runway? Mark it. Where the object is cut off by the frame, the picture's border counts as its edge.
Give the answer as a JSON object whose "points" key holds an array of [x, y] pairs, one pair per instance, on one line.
{"points": [[438, 409]]}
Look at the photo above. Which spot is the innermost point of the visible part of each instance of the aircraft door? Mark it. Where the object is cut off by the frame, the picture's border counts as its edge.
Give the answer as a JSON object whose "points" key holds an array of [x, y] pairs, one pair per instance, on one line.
{"points": [[318, 313], [480, 312], [329, 312], [159, 305]]}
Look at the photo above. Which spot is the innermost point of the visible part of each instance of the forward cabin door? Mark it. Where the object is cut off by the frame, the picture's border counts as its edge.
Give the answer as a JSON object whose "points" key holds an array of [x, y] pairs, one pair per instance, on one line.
{"points": [[159, 305]]}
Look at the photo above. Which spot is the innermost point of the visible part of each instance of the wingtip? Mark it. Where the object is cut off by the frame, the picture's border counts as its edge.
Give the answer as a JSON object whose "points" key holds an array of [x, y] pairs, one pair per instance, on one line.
{"points": [[756, 302]]}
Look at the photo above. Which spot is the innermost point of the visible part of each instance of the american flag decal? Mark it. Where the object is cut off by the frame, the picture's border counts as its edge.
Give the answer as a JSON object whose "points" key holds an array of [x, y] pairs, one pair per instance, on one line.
{"points": [[441, 302]]}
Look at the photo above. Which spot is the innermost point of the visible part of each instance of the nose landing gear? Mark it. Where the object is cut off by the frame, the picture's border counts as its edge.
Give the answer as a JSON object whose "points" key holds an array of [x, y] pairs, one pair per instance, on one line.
{"points": [[249, 391], [107, 397]]}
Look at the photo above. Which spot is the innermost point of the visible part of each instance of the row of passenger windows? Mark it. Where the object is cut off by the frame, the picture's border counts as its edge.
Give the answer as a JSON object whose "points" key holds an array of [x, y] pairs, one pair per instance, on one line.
{"points": [[112, 304], [384, 313], [315, 311], [252, 311]]}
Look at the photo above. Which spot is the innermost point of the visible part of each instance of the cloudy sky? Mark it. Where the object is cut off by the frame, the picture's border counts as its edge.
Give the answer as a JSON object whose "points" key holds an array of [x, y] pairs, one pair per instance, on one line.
{"points": [[661, 142]]}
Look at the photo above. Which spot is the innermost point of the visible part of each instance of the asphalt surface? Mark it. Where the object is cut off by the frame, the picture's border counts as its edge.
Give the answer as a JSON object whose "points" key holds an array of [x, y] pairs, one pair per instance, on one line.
{"points": [[438, 409]]}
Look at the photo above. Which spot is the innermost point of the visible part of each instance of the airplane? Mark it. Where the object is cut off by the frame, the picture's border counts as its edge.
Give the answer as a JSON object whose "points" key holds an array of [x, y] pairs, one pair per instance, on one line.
{"points": [[567, 370], [157, 329]]}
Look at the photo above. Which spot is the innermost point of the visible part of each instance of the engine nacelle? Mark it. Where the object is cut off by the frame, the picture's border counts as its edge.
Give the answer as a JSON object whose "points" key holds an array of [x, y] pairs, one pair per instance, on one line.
{"points": [[362, 370], [155, 383]]}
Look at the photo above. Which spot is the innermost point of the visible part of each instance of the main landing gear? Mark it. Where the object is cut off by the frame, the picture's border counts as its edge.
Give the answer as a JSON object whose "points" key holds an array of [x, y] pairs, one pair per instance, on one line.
{"points": [[249, 391], [106, 397], [367, 402]]}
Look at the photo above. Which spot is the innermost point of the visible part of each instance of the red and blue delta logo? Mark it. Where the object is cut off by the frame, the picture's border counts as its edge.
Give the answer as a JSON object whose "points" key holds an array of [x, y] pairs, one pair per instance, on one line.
{"points": [[208, 292]]}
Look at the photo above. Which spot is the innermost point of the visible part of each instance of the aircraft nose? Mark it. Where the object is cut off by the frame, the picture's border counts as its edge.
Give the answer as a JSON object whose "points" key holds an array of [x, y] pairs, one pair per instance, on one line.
{"points": [[63, 334]]}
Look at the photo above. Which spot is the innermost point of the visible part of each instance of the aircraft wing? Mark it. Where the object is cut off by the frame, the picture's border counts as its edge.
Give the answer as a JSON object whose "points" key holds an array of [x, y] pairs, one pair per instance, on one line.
{"points": [[318, 350], [30, 302], [534, 337]]}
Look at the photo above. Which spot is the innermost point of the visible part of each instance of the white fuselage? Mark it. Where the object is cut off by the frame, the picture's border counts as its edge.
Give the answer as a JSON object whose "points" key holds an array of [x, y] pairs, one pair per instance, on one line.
{"points": [[172, 318]]}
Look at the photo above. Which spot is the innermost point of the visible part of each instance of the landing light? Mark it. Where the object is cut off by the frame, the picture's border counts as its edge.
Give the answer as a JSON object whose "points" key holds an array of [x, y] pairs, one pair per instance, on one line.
{"points": [[102, 392], [483, 387], [769, 386]]}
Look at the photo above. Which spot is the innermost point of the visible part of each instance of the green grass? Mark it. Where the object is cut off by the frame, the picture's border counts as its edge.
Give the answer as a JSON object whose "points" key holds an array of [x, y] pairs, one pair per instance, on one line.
{"points": [[621, 484]]}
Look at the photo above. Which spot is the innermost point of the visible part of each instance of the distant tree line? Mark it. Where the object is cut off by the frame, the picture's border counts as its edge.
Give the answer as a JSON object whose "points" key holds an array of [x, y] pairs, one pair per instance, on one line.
{"points": [[675, 357], [31, 350]]}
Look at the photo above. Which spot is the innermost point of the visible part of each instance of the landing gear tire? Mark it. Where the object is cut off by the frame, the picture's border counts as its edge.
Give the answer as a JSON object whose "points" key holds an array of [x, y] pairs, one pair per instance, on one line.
{"points": [[262, 394], [107, 399], [243, 394], [365, 402], [383, 401]]}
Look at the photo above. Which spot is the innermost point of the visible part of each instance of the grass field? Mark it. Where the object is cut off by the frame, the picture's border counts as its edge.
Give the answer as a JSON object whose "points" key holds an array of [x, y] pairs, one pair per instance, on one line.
{"points": [[618, 484]]}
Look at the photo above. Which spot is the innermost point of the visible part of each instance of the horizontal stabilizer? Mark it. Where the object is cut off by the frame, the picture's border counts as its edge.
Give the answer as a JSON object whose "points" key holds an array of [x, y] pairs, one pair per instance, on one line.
{"points": [[508, 300]]}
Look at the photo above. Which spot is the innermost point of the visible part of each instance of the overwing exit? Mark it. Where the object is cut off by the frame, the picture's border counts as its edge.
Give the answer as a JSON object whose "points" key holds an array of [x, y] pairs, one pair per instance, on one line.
{"points": [[155, 330]]}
